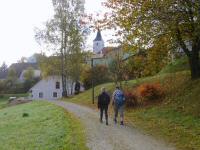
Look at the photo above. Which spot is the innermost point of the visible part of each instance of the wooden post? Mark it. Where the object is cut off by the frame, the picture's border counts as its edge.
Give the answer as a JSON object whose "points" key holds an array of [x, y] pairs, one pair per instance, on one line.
{"points": [[92, 65]]}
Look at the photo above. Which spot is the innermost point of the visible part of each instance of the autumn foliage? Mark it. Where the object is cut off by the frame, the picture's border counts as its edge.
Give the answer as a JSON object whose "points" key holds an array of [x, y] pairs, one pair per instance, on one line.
{"points": [[150, 92], [144, 94], [131, 98]]}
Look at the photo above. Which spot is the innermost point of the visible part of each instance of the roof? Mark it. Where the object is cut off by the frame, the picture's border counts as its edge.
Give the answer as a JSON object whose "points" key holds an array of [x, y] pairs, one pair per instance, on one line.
{"points": [[47, 78], [98, 37], [19, 67], [3, 75]]}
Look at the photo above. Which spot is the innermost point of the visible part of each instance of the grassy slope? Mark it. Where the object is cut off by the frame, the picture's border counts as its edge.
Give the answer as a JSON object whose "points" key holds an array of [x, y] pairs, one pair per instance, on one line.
{"points": [[47, 127], [180, 64], [176, 119]]}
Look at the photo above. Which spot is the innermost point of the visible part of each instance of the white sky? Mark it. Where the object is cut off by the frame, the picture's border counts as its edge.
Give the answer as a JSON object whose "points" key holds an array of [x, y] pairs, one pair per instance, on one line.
{"points": [[18, 18]]}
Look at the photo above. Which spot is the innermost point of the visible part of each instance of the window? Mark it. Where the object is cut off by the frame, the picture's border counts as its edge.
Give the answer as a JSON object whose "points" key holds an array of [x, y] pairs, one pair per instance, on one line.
{"points": [[97, 44], [54, 94], [40, 95], [57, 85]]}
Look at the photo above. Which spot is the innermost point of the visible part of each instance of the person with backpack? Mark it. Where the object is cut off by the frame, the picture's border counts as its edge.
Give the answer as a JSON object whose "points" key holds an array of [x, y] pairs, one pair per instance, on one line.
{"points": [[103, 103], [118, 104]]}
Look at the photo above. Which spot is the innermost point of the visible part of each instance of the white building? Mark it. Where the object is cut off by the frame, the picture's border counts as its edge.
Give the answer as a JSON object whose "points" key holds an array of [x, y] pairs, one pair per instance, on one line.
{"points": [[51, 89], [98, 43]]}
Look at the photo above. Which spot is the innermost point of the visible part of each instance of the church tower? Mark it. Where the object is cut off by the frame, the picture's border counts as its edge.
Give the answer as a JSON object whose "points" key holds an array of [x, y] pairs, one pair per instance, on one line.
{"points": [[98, 43]]}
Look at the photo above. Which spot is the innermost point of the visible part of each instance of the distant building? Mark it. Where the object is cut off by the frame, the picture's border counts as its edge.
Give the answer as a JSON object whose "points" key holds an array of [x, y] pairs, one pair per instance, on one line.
{"points": [[104, 55], [179, 52], [20, 67], [32, 59], [98, 43], [50, 88]]}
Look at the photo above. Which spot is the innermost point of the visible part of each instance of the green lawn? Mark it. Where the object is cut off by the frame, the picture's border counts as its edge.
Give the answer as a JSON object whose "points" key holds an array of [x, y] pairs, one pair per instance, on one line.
{"points": [[3, 102], [39, 126], [176, 119]]}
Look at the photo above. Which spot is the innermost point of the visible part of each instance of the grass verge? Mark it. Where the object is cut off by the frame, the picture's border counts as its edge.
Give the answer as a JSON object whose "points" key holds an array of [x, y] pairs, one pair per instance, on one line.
{"points": [[40, 125], [166, 123]]}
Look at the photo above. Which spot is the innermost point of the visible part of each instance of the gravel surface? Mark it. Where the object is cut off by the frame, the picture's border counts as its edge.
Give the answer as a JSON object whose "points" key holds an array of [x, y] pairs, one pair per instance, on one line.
{"points": [[111, 137]]}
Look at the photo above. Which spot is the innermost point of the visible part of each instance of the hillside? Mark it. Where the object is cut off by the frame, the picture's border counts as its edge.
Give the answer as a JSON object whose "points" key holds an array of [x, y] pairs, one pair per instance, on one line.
{"points": [[177, 65], [175, 119]]}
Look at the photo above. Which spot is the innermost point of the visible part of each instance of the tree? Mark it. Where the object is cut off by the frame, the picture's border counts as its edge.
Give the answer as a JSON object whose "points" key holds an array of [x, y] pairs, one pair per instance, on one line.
{"points": [[29, 74], [22, 60], [115, 71], [141, 23], [12, 75], [29, 79], [50, 66], [135, 66], [11, 80], [2, 86], [3, 68], [99, 73], [157, 56], [61, 31], [116, 67]]}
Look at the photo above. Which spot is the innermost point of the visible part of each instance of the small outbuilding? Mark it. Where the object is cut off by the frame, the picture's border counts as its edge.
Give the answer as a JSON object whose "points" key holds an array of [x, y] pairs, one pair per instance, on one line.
{"points": [[50, 88]]}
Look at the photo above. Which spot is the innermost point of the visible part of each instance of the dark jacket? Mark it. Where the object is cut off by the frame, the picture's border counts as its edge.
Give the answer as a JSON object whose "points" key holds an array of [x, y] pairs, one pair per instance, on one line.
{"points": [[103, 100]]}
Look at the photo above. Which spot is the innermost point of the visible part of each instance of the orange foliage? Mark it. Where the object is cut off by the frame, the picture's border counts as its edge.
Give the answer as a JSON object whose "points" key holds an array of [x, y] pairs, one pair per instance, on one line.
{"points": [[152, 91], [131, 98]]}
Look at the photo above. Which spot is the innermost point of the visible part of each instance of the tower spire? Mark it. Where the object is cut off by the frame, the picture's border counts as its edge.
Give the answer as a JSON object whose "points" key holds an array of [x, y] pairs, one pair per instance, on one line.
{"points": [[98, 43], [98, 37]]}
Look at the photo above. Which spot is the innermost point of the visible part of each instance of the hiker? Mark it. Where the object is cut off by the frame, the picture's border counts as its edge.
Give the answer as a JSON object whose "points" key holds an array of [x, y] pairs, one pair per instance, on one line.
{"points": [[103, 102], [118, 101]]}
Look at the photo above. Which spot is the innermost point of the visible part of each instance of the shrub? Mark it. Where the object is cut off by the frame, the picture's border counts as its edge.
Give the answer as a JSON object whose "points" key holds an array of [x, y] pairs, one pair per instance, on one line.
{"points": [[99, 73], [25, 115], [150, 92], [131, 98], [1, 96]]}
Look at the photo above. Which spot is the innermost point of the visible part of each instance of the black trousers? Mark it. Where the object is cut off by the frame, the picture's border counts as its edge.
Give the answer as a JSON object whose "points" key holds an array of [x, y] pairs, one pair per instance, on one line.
{"points": [[104, 109]]}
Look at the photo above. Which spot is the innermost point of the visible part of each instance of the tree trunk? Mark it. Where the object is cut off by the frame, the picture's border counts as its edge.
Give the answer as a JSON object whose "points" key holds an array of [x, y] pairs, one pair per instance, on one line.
{"points": [[64, 93], [194, 64], [64, 82]]}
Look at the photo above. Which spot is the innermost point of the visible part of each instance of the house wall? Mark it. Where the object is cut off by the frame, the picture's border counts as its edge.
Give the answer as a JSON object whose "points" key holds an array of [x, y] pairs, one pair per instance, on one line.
{"points": [[48, 87]]}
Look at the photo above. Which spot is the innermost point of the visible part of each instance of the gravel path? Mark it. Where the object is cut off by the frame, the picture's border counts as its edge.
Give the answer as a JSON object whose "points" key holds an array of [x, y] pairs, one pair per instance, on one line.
{"points": [[112, 137]]}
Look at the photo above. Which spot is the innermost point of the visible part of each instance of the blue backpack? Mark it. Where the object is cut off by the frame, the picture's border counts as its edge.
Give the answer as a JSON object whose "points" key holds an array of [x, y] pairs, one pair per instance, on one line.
{"points": [[119, 98]]}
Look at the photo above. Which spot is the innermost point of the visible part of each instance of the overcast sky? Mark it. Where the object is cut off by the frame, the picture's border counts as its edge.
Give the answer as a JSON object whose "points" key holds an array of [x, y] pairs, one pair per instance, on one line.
{"points": [[18, 20]]}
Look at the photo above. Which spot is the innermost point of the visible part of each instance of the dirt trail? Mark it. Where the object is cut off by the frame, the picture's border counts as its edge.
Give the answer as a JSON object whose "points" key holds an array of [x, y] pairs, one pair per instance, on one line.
{"points": [[111, 137]]}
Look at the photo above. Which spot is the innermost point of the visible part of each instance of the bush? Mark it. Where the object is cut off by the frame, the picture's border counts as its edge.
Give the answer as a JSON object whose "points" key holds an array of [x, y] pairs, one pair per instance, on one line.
{"points": [[25, 115], [150, 92], [131, 98], [1, 96]]}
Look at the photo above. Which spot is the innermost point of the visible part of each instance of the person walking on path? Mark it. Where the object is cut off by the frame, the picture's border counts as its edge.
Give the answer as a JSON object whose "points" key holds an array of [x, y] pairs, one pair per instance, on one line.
{"points": [[118, 99], [103, 102]]}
